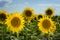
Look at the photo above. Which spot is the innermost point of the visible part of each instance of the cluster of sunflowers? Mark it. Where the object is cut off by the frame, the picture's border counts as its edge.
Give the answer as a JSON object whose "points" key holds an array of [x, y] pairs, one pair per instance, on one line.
{"points": [[16, 22]]}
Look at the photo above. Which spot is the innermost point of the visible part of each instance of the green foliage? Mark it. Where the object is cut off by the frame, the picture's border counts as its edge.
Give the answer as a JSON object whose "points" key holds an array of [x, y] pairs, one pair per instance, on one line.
{"points": [[30, 32]]}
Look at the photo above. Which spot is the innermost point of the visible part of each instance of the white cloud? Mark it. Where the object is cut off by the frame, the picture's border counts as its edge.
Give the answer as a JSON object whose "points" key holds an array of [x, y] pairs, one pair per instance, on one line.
{"points": [[56, 4], [26, 3], [48, 4], [9, 1]]}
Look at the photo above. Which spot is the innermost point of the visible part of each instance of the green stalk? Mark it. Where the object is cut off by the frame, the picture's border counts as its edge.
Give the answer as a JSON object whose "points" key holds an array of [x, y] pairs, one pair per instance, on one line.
{"points": [[18, 36]]}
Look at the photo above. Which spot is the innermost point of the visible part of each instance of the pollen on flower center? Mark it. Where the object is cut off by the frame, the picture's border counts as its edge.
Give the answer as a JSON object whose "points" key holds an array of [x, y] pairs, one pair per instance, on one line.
{"points": [[15, 22], [2, 16], [28, 13], [46, 24]]}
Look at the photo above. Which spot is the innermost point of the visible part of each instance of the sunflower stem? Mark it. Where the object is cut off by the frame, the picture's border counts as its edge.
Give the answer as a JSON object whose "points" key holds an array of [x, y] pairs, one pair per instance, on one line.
{"points": [[49, 37], [3, 32], [18, 36], [10, 34]]}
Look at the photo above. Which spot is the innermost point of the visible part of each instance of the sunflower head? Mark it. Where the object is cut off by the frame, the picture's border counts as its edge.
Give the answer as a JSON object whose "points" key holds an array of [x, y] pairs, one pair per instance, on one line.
{"points": [[3, 16], [15, 22], [39, 16], [45, 25], [49, 12], [28, 13]]}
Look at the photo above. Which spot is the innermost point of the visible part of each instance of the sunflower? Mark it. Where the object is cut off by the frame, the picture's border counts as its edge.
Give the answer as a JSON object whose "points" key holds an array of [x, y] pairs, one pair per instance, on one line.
{"points": [[39, 16], [3, 16], [15, 22], [28, 13], [46, 25], [49, 12]]}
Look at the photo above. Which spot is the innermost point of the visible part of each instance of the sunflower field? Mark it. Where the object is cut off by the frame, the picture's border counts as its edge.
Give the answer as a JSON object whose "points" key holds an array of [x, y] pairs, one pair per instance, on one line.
{"points": [[29, 26]]}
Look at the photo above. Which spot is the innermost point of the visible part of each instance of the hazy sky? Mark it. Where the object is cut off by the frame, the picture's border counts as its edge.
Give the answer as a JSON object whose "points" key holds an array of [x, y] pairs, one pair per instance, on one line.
{"points": [[39, 6]]}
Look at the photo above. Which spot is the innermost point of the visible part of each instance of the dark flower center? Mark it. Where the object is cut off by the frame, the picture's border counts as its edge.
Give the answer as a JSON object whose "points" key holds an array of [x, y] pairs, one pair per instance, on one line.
{"points": [[15, 22], [46, 24], [2, 16], [49, 12], [28, 13], [40, 16]]}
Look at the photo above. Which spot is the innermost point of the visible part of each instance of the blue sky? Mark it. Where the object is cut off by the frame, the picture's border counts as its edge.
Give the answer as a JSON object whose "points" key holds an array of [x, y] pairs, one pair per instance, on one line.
{"points": [[39, 6]]}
